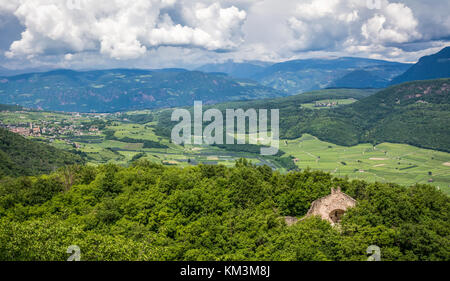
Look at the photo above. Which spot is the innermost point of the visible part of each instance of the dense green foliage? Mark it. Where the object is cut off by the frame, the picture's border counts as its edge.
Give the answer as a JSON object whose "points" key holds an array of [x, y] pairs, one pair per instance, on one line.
{"points": [[250, 148], [283, 162], [123, 89], [20, 156], [152, 212]]}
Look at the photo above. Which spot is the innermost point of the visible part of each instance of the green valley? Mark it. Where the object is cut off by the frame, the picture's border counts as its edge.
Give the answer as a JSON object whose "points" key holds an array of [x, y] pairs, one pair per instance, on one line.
{"points": [[225, 140], [123, 138]]}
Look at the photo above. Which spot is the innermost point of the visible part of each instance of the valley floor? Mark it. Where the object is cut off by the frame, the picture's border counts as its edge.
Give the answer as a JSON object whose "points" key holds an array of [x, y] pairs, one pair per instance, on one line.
{"points": [[387, 162]]}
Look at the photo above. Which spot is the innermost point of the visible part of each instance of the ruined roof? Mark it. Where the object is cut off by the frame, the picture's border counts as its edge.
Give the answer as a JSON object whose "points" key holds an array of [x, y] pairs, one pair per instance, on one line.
{"points": [[332, 207]]}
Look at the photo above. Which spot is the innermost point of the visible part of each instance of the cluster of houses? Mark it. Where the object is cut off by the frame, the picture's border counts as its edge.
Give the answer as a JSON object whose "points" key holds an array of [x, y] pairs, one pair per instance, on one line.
{"points": [[326, 104], [52, 131], [25, 130], [32, 130]]}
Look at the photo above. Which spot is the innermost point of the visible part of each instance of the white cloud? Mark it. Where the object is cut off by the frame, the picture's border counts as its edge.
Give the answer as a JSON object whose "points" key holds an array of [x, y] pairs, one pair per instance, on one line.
{"points": [[317, 9], [321, 24], [152, 33], [395, 24], [122, 29]]}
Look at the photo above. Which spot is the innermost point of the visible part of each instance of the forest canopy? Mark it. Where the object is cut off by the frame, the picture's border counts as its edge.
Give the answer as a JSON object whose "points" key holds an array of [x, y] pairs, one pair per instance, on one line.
{"points": [[153, 212]]}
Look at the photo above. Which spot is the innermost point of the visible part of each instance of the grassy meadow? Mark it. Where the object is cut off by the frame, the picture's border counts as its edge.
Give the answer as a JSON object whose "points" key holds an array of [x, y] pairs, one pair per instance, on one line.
{"points": [[387, 162]]}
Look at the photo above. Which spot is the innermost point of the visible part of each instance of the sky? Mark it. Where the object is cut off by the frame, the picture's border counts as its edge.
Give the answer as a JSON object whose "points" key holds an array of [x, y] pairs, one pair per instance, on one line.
{"points": [[93, 34]]}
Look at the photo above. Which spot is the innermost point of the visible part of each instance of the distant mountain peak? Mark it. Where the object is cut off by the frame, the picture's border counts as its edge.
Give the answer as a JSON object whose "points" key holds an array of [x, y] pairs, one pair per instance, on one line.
{"points": [[318, 73], [428, 67]]}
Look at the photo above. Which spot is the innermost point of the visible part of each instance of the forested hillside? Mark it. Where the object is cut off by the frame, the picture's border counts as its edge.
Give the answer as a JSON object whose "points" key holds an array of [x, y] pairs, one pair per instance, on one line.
{"points": [[21, 157], [429, 67], [214, 213], [414, 113], [289, 106]]}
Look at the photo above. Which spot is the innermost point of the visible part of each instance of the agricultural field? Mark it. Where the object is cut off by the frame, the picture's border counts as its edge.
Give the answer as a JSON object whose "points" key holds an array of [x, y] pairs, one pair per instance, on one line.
{"points": [[122, 141], [387, 162], [19, 117], [128, 144]]}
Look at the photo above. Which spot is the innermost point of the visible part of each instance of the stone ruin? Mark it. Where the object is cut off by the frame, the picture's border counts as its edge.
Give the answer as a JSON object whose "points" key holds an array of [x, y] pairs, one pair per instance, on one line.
{"points": [[332, 207], [290, 221]]}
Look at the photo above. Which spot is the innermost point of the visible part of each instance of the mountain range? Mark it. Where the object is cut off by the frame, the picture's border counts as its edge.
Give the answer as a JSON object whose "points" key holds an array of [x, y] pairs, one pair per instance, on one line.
{"points": [[243, 70], [125, 89], [11, 72], [133, 89], [313, 74], [298, 76], [359, 79]]}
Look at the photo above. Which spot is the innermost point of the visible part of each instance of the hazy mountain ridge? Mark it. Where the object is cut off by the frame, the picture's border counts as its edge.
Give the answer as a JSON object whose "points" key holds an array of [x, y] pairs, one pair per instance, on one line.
{"points": [[297, 76], [245, 70], [313, 74], [7, 72], [125, 89], [360, 79]]}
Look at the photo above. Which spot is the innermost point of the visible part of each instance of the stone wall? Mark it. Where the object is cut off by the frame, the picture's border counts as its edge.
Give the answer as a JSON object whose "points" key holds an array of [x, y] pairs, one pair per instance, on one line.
{"points": [[332, 207]]}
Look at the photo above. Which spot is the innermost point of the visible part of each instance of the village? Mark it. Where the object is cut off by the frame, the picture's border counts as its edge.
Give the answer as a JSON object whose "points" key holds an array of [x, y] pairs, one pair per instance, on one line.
{"points": [[43, 130], [326, 104], [52, 130]]}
